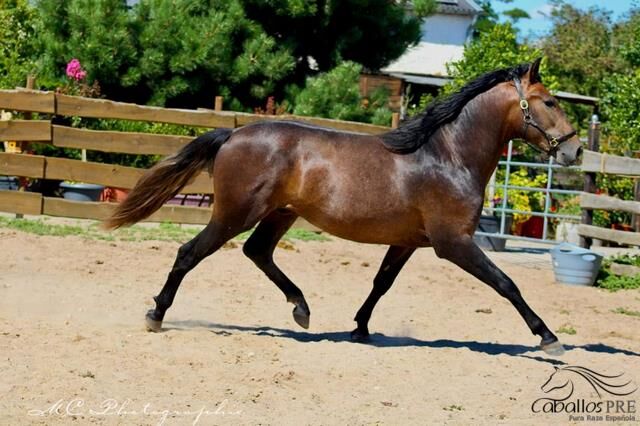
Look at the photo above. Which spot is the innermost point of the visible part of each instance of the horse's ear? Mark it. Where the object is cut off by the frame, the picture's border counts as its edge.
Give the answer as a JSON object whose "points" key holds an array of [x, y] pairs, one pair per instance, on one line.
{"points": [[534, 71]]}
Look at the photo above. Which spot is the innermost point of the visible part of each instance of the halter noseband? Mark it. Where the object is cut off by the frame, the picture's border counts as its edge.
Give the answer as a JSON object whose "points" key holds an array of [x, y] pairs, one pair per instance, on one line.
{"points": [[554, 142]]}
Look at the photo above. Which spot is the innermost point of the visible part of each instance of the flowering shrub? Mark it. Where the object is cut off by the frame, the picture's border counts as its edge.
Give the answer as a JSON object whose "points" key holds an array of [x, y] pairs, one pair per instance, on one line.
{"points": [[75, 71], [76, 85]]}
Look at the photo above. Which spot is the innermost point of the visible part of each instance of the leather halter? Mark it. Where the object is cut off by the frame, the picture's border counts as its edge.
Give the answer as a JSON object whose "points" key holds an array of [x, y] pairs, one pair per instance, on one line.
{"points": [[554, 142]]}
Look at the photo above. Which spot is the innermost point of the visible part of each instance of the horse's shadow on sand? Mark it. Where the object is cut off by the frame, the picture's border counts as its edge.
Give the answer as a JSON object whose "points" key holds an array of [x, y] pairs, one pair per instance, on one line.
{"points": [[383, 341]]}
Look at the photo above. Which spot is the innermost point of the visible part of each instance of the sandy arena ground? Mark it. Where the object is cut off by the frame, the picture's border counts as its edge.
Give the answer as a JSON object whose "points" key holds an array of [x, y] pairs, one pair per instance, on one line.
{"points": [[446, 348]]}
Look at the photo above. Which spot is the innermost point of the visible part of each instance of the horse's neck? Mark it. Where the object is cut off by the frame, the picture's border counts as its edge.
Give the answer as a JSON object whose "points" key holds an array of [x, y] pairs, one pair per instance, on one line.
{"points": [[477, 137]]}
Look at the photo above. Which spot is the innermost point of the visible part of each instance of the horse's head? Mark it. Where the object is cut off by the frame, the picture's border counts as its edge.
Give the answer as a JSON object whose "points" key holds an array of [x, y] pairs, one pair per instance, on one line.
{"points": [[557, 380], [544, 124]]}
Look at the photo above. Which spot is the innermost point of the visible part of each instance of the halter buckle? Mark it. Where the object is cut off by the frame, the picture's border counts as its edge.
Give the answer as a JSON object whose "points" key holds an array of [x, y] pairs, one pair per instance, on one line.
{"points": [[524, 105], [554, 142]]}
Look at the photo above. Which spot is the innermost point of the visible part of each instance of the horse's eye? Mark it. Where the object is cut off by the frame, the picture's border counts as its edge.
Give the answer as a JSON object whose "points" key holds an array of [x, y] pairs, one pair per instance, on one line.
{"points": [[549, 103]]}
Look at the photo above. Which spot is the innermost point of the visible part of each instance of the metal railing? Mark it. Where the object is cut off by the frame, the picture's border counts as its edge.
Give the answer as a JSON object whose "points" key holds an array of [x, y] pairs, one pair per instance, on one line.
{"points": [[546, 214]]}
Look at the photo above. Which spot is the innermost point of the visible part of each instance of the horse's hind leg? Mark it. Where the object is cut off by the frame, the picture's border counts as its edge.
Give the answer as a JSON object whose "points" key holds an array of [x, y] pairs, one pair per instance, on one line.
{"points": [[462, 251], [210, 239], [391, 265], [259, 248]]}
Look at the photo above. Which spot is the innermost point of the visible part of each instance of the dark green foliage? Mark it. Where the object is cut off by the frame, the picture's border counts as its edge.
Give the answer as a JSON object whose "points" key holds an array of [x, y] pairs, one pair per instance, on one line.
{"points": [[336, 94], [99, 33], [184, 52], [488, 17]]}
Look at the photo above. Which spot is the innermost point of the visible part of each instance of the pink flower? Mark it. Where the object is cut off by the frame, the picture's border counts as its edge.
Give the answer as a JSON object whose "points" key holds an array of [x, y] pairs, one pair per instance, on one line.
{"points": [[75, 71]]}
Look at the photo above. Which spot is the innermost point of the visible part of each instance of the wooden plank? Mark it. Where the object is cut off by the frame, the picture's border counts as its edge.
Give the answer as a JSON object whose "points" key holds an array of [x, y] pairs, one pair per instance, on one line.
{"points": [[348, 126], [88, 172], [25, 130], [20, 202], [620, 237], [22, 165], [102, 211], [605, 202], [167, 213], [182, 214], [77, 209], [112, 175], [611, 164], [101, 108], [625, 270], [123, 142], [28, 100]]}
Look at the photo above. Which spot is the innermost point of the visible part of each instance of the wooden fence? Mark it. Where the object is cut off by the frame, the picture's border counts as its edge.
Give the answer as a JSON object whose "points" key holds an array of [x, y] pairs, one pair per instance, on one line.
{"points": [[594, 162], [43, 131]]}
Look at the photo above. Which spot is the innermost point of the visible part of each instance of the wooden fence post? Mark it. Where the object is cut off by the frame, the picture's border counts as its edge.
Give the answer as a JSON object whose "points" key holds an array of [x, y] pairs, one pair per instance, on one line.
{"points": [[23, 146], [635, 219], [218, 103], [395, 120], [593, 144]]}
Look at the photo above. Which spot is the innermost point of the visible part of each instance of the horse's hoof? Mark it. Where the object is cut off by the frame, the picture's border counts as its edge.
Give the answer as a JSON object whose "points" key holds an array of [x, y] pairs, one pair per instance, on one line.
{"points": [[152, 325], [360, 336], [301, 316], [554, 348]]}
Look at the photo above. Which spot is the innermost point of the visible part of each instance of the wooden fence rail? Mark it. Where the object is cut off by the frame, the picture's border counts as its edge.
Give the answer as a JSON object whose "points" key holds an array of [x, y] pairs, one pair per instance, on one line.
{"points": [[42, 131], [594, 162], [55, 103]]}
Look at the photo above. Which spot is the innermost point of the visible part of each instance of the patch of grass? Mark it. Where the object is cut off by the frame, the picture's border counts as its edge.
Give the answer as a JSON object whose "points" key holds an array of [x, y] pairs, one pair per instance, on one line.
{"points": [[609, 281], [567, 329], [453, 407], [163, 232], [292, 234], [625, 311]]}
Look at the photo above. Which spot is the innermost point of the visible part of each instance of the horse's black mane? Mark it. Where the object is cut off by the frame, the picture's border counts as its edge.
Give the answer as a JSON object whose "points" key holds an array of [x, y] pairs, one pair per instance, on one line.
{"points": [[415, 132]]}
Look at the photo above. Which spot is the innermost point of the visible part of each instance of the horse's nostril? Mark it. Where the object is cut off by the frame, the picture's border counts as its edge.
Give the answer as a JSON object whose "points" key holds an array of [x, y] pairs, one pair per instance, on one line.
{"points": [[579, 153]]}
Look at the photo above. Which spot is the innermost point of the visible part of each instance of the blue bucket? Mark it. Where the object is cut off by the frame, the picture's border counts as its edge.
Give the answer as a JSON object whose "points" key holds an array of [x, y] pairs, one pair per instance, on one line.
{"points": [[575, 265], [81, 191], [8, 183]]}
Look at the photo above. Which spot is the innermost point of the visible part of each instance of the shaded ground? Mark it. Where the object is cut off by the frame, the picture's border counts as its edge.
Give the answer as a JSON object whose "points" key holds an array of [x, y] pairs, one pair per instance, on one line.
{"points": [[446, 348]]}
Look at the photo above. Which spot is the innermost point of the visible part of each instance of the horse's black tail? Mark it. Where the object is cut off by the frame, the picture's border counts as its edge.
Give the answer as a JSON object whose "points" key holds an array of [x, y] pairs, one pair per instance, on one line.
{"points": [[167, 178]]}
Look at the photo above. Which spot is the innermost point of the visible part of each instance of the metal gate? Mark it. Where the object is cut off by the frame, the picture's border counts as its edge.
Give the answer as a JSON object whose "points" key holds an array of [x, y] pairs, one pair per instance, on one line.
{"points": [[502, 209]]}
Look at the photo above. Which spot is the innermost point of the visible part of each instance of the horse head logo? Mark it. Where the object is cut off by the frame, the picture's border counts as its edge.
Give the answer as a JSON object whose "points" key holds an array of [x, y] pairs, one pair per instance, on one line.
{"points": [[562, 378]]}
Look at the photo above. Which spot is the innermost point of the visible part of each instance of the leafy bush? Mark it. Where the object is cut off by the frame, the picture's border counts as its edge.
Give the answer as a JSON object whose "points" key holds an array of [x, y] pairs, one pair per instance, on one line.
{"points": [[611, 282], [336, 94], [615, 186], [17, 47], [620, 105]]}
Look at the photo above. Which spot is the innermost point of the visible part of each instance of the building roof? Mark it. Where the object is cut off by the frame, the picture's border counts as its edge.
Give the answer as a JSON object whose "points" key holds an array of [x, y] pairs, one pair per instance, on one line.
{"points": [[426, 80], [426, 59], [458, 7]]}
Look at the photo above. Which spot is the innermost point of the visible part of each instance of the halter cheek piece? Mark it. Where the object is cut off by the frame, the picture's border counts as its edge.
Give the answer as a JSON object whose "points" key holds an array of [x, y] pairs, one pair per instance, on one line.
{"points": [[554, 142]]}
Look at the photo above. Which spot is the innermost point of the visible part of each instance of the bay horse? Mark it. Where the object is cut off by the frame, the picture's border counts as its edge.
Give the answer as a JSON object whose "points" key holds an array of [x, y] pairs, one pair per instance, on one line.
{"points": [[420, 185]]}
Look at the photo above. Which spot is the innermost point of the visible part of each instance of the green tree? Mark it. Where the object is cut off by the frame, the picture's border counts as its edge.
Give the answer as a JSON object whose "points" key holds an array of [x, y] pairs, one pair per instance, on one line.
{"points": [[369, 32], [489, 17], [183, 52], [579, 48], [191, 51], [99, 33], [336, 94], [18, 47], [494, 49]]}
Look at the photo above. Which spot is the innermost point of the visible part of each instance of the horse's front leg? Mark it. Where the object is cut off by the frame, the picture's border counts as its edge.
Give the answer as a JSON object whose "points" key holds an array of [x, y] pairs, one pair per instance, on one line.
{"points": [[462, 250], [391, 265]]}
